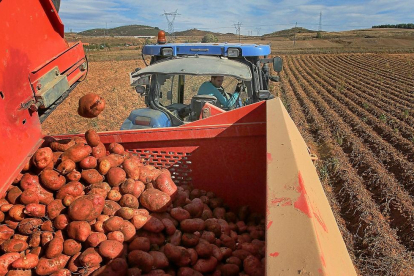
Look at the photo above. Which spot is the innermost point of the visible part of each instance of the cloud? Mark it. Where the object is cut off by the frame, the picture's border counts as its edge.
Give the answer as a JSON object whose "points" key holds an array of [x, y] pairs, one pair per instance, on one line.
{"points": [[221, 16]]}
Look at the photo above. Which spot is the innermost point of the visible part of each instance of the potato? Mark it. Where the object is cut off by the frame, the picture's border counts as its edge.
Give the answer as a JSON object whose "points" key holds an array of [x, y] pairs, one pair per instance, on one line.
{"points": [[89, 162], [29, 196], [62, 272], [195, 208], [113, 224], [115, 176], [155, 200], [73, 188], [110, 249], [16, 212], [160, 260], [42, 157], [79, 230], [92, 138], [139, 221], [128, 230], [187, 271], [6, 260], [71, 247], [46, 237], [62, 145], [154, 225], [133, 187], [5, 232], [55, 208], [165, 184], [13, 194], [48, 266], [192, 225], [204, 249], [99, 191], [178, 255], [175, 239], [90, 257], [180, 214], [99, 151], [115, 267], [110, 208], [125, 213], [253, 266], [19, 273], [132, 167], [2, 216], [206, 265], [116, 236], [91, 105], [95, 239], [91, 176], [66, 166], [35, 210], [73, 176], [54, 248], [189, 240], [29, 181], [139, 243], [76, 152], [87, 207], [14, 245], [114, 195], [29, 225], [141, 259], [129, 200]]}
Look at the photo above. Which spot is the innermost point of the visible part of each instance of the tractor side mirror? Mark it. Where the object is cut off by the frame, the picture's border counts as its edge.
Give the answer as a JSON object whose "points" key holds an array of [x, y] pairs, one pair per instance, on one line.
{"points": [[277, 64], [140, 89], [265, 95]]}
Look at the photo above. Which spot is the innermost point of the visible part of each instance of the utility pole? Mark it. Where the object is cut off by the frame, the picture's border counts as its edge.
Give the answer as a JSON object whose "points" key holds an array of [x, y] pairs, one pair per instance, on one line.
{"points": [[171, 22], [294, 38], [237, 26], [258, 31], [320, 22]]}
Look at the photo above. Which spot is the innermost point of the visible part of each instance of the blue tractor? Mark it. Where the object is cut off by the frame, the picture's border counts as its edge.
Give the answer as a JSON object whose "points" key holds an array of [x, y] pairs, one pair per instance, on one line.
{"points": [[171, 81]]}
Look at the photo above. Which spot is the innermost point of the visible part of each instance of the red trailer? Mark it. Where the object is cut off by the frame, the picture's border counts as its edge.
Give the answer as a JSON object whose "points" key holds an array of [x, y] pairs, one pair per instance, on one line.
{"points": [[252, 156]]}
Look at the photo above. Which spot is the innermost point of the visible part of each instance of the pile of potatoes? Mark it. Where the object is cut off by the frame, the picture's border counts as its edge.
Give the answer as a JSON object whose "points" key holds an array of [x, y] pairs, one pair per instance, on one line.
{"points": [[83, 209]]}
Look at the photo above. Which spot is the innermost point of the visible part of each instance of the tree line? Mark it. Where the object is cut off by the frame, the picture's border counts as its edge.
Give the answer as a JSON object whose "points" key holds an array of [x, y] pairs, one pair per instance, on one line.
{"points": [[401, 26]]}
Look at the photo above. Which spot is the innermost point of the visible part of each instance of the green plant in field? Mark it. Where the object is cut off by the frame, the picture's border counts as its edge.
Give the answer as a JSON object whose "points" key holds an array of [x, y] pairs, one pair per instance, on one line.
{"points": [[365, 105], [396, 131], [339, 138], [94, 123], [383, 117], [406, 113], [323, 172]]}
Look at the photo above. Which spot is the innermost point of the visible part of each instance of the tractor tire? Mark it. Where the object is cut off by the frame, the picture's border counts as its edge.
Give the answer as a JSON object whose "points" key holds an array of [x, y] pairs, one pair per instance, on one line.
{"points": [[56, 3]]}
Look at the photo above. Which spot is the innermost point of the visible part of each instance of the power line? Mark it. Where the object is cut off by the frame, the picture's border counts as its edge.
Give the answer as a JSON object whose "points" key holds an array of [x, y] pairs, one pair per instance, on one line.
{"points": [[237, 26], [320, 22], [171, 22]]}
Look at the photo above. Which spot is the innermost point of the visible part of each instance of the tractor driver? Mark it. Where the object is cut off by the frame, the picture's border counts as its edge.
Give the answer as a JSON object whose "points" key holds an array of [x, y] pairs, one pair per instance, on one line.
{"points": [[214, 88]]}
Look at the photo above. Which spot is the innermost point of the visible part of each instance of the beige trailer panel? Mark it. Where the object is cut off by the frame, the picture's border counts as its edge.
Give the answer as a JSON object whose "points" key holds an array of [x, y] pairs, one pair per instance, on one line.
{"points": [[302, 235]]}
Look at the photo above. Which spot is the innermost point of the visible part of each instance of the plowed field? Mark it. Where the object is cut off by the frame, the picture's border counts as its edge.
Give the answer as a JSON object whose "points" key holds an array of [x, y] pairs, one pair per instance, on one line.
{"points": [[356, 111]]}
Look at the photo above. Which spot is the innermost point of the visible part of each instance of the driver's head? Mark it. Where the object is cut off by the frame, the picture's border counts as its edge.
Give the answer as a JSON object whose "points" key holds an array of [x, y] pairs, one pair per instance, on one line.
{"points": [[217, 81]]}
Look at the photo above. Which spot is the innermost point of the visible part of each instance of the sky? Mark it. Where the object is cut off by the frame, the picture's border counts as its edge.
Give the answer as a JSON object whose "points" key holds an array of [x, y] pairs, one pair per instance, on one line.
{"points": [[254, 17]]}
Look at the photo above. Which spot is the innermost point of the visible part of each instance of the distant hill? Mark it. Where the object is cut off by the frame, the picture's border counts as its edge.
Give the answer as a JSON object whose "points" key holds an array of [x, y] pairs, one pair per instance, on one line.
{"points": [[290, 32], [130, 30], [196, 32]]}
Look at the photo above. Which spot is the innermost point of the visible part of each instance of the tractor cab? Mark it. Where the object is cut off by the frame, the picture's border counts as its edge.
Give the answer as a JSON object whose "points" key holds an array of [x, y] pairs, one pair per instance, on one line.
{"points": [[171, 82]]}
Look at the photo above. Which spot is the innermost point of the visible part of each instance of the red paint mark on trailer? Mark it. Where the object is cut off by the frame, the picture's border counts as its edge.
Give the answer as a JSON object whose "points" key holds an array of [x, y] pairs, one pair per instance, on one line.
{"points": [[269, 158], [274, 254], [269, 224], [282, 201], [302, 203]]}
